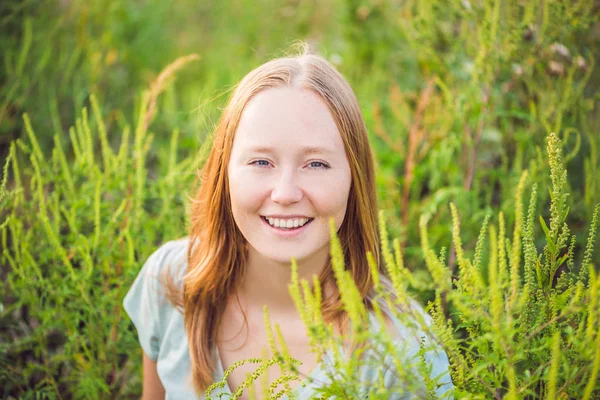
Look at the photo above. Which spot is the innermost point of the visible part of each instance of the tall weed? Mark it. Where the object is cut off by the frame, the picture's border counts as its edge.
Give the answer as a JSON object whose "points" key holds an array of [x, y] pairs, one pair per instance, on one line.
{"points": [[524, 321]]}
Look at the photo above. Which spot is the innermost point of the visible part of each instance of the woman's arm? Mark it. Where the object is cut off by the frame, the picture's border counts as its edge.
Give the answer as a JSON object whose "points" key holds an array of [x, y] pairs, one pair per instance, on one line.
{"points": [[152, 388]]}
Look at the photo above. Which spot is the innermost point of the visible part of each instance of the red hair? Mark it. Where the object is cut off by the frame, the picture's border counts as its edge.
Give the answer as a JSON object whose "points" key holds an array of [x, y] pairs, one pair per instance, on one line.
{"points": [[217, 249]]}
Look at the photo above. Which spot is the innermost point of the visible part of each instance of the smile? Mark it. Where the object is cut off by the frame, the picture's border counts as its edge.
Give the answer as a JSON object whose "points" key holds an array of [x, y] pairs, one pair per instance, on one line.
{"points": [[287, 224]]}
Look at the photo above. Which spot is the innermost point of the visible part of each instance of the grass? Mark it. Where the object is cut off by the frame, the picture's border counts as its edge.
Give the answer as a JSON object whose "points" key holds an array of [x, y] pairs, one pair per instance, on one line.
{"points": [[459, 99]]}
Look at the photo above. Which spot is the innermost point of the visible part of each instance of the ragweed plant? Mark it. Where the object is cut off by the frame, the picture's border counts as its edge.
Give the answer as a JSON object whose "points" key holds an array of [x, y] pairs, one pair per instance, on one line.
{"points": [[73, 234], [523, 312], [387, 352], [525, 326], [524, 321]]}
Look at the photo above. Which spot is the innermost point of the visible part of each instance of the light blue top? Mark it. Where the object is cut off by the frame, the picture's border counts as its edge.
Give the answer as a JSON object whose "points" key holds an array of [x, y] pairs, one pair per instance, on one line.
{"points": [[163, 338]]}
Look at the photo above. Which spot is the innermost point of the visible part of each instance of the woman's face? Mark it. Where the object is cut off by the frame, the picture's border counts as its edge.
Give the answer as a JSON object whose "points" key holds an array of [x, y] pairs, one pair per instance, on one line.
{"points": [[288, 175]]}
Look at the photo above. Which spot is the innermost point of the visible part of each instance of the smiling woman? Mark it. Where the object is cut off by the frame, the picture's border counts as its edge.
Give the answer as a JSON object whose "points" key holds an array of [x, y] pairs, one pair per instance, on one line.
{"points": [[290, 153], [303, 176]]}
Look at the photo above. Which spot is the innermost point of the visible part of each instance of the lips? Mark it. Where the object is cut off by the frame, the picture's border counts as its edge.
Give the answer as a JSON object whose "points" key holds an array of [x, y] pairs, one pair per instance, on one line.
{"points": [[286, 232], [287, 222]]}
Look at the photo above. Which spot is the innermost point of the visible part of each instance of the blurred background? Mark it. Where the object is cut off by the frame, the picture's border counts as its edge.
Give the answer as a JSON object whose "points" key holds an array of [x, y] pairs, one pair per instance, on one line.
{"points": [[458, 97]]}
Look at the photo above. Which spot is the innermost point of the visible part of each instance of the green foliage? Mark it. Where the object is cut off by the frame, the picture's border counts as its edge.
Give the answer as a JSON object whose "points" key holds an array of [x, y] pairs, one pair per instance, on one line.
{"points": [[73, 236], [458, 97], [56, 53], [512, 338], [464, 94]]}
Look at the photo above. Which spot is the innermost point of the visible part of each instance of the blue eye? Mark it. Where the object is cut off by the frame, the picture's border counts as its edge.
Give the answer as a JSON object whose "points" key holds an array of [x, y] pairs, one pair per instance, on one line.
{"points": [[318, 165], [260, 163]]}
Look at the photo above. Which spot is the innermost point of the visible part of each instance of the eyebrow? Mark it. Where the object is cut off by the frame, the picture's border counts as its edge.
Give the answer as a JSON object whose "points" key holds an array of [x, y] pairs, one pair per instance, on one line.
{"points": [[306, 150]]}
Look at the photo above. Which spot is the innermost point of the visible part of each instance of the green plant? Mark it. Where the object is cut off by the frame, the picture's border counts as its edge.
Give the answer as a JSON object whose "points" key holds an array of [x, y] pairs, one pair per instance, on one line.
{"points": [[458, 96], [73, 236], [524, 322]]}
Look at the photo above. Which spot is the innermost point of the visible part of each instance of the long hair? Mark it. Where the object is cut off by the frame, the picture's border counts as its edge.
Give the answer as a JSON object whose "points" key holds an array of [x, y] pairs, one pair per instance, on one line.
{"points": [[217, 248]]}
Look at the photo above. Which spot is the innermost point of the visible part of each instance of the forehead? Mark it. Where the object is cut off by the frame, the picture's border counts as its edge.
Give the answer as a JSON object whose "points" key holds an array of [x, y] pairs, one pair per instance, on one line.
{"points": [[288, 117]]}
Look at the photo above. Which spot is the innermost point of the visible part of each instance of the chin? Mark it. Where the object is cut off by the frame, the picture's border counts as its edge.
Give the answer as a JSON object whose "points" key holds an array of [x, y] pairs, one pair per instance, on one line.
{"points": [[283, 253], [284, 257]]}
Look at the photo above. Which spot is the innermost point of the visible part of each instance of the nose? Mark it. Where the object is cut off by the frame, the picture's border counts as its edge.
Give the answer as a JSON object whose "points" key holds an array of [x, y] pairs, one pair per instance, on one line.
{"points": [[286, 190]]}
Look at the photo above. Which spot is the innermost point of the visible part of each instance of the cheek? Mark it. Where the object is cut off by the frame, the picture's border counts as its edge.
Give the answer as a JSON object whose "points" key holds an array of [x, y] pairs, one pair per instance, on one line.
{"points": [[247, 194], [331, 198]]}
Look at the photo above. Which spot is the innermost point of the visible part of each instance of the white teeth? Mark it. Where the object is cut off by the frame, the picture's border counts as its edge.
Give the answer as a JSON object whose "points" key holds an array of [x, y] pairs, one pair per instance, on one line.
{"points": [[287, 223]]}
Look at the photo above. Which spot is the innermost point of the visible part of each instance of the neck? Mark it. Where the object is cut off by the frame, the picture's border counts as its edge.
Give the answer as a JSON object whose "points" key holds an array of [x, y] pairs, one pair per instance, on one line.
{"points": [[266, 281]]}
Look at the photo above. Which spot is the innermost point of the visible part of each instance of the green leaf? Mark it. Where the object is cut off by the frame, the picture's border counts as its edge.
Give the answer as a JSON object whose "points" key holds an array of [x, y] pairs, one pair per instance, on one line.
{"points": [[549, 240], [562, 260]]}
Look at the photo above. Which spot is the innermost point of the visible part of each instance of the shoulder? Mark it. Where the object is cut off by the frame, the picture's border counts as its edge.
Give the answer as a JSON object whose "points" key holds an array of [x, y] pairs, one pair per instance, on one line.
{"points": [[148, 301], [162, 271], [170, 258]]}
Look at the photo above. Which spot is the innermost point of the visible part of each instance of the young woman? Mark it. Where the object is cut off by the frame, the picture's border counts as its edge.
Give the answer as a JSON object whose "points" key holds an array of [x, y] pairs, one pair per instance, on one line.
{"points": [[290, 153]]}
